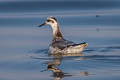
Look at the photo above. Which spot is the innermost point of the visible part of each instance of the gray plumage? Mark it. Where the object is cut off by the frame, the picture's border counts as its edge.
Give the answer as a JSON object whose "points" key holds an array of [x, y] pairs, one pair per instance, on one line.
{"points": [[61, 44]]}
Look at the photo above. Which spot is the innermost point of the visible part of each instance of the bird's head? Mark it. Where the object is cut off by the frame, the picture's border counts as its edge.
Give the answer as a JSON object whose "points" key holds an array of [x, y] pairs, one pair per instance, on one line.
{"points": [[52, 21]]}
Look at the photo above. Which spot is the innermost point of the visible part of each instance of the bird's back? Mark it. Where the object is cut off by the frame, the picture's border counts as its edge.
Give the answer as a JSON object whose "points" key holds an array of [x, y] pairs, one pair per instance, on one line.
{"points": [[61, 43]]}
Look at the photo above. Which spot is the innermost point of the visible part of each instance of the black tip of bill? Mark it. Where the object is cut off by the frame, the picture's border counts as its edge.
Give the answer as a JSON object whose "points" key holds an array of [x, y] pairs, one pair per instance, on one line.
{"points": [[41, 25]]}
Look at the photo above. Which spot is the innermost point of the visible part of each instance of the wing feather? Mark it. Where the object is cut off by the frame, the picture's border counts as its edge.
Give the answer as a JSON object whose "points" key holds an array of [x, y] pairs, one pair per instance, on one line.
{"points": [[61, 44]]}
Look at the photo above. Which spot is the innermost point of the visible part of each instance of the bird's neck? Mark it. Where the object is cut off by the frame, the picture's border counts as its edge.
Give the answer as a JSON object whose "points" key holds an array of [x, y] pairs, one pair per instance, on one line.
{"points": [[56, 32]]}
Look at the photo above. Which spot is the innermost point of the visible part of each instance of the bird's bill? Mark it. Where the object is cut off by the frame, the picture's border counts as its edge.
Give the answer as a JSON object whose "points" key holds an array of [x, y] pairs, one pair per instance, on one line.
{"points": [[41, 25]]}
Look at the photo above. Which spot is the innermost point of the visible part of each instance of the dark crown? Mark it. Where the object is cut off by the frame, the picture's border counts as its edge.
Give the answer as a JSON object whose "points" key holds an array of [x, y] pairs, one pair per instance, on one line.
{"points": [[52, 18]]}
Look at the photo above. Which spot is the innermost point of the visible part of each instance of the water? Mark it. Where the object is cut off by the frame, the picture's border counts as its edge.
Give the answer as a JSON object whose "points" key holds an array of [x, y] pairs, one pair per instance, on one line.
{"points": [[24, 46]]}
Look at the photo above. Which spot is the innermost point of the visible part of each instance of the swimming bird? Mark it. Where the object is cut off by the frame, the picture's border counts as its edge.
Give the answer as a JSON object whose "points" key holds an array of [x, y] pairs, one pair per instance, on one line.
{"points": [[59, 45]]}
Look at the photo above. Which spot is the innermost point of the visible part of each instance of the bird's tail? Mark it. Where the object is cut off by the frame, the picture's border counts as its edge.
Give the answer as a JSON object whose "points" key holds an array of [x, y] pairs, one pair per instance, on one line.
{"points": [[77, 48], [81, 45]]}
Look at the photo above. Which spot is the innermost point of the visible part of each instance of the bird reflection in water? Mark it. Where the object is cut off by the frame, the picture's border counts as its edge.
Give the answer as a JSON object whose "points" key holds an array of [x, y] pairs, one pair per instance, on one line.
{"points": [[58, 74], [53, 65]]}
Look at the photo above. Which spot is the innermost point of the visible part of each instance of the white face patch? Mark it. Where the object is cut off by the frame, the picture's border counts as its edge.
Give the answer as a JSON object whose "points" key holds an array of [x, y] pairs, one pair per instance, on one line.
{"points": [[53, 23]]}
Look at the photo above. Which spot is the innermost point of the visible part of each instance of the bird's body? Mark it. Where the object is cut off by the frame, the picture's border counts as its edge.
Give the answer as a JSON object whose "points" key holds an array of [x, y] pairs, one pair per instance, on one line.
{"points": [[59, 44], [64, 46]]}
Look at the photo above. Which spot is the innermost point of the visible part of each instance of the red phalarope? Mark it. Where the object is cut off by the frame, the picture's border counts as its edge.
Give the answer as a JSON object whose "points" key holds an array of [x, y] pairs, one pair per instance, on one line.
{"points": [[59, 44]]}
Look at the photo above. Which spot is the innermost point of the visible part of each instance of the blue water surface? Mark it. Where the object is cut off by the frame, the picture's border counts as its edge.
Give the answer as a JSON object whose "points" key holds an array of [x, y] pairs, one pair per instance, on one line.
{"points": [[24, 46]]}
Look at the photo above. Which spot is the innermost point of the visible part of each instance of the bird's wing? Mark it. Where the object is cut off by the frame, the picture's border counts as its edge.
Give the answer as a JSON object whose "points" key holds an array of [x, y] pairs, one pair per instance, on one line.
{"points": [[61, 44]]}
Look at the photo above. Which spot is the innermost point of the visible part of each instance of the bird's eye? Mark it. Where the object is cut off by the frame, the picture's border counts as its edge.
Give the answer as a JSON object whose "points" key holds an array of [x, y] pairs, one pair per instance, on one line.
{"points": [[48, 20]]}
